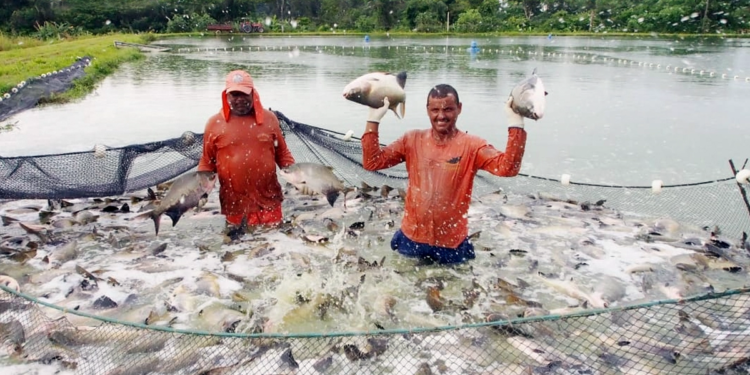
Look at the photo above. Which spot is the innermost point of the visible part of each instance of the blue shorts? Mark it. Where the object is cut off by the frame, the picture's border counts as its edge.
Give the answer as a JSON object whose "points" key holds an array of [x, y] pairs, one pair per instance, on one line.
{"points": [[442, 255]]}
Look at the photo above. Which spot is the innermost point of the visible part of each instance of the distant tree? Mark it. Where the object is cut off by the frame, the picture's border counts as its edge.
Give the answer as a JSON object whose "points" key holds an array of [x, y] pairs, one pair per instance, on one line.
{"points": [[685, 16]]}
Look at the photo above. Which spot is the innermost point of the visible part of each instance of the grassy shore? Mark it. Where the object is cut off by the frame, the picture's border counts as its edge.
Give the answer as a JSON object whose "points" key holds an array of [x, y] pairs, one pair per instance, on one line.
{"points": [[22, 58], [25, 57]]}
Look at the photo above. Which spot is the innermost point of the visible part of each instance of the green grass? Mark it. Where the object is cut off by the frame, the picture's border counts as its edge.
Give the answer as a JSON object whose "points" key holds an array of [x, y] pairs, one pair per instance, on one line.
{"points": [[20, 64], [8, 43]]}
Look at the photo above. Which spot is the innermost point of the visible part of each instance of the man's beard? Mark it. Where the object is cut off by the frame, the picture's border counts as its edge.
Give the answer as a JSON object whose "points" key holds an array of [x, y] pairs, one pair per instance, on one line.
{"points": [[242, 110]]}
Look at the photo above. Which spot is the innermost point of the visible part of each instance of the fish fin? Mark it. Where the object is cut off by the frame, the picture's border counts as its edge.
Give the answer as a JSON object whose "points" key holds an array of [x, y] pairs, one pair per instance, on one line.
{"points": [[332, 196], [395, 112], [403, 108], [156, 219], [237, 233], [146, 215], [545, 93], [175, 216], [533, 72], [243, 224], [151, 194], [329, 167], [401, 79]]}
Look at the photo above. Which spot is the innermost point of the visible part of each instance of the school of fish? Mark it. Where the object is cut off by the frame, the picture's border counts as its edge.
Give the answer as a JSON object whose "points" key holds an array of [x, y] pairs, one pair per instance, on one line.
{"points": [[329, 268]]}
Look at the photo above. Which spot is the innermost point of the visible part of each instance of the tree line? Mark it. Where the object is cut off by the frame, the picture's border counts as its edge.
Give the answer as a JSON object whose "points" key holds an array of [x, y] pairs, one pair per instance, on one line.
{"points": [[53, 17]]}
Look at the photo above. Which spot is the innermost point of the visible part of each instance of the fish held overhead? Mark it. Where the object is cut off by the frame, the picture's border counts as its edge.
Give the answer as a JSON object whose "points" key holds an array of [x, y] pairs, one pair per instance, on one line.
{"points": [[529, 97], [370, 90]]}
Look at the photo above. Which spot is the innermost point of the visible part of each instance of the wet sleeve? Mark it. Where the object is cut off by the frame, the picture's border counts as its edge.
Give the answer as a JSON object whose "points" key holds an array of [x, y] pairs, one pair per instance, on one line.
{"points": [[503, 164], [208, 159], [284, 157], [375, 157]]}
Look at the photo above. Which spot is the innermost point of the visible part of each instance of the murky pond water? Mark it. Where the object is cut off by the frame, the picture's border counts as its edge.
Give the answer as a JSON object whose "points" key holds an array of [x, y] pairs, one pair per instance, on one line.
{"points": [[619, 110]]}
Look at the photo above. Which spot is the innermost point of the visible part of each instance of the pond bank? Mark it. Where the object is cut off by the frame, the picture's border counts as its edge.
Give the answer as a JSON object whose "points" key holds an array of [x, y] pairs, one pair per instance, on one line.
{"points": [[19, 64], [24, 57]]}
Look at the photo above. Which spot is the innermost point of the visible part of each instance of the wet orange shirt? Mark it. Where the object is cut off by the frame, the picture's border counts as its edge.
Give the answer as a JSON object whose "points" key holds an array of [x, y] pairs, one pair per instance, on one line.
{"points": [[441, 178], [245, 156]]}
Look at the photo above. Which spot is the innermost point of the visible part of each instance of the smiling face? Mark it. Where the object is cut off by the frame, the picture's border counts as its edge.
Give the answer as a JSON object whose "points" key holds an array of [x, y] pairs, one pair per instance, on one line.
{"points": [[240, 103], [443, 113]]}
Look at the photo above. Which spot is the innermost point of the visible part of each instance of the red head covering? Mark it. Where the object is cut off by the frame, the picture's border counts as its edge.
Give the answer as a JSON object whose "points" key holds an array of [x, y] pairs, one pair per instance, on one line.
{"points": [[239, 80]]}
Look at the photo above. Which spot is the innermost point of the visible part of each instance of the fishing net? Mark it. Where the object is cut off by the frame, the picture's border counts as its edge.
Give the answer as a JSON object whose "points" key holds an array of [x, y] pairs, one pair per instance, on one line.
{"points": [[100, 172], [27, 94], [115, 171], [709, 203], [706, 334]]}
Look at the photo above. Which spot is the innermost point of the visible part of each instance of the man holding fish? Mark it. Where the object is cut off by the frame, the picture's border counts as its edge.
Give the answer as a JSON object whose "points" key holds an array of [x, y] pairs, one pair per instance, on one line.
{"points": [[243, 143], [441, 162]]}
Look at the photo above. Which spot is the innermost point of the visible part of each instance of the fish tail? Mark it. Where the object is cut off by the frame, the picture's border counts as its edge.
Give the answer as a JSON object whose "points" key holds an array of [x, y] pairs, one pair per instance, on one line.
{"points": [[153, 216], [150, 215], [157, 219], [175, 216], [401, 79], [331, 196]]}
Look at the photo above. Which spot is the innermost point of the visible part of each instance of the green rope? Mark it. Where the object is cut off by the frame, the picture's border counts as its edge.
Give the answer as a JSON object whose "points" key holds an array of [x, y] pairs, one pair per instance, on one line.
{"points": [[553, 317]]}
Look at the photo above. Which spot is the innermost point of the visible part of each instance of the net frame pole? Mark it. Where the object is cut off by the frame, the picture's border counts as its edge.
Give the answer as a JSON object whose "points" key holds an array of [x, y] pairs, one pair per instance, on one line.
{"points": [[739, 185]]}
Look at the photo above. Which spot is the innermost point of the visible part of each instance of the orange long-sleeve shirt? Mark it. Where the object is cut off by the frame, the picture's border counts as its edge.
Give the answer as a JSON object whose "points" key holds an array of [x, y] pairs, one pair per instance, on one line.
{"points": [[441, 178], [245, 155]]}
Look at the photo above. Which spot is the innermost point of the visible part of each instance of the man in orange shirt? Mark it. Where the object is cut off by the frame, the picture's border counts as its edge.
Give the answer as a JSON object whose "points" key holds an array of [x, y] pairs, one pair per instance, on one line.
{"points": [[441, 163], [243, 144]]}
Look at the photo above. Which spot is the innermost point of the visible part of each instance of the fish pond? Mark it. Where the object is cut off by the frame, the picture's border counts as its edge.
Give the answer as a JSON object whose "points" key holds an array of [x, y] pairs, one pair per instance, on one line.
{"points": [[619, 110]]}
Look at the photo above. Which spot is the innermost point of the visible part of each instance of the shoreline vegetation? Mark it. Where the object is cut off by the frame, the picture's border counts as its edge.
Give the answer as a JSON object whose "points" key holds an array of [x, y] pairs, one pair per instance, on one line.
{"points": [[23, 57], [31, 58]]}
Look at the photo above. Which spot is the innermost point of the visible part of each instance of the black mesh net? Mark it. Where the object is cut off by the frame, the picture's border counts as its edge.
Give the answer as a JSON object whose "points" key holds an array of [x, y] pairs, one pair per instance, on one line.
{"points": [[706, 203], [706, 334], [703, 335], [98, 173], [115, 171], [27, 94]]}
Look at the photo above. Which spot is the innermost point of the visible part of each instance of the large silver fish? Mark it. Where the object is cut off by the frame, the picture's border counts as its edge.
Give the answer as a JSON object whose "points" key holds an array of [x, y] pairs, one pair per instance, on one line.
{"points": [[370, 90], [312, 178], [529, 97], [187, 192]]}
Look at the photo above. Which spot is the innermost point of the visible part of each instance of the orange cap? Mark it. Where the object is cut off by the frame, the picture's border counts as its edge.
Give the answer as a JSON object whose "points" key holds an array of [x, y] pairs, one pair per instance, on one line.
{"points": [[240, 80]]}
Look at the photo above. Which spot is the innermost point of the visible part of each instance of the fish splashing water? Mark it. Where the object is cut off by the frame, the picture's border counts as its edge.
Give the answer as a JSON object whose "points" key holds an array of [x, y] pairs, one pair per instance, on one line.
{"points": [[554, 257]]}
